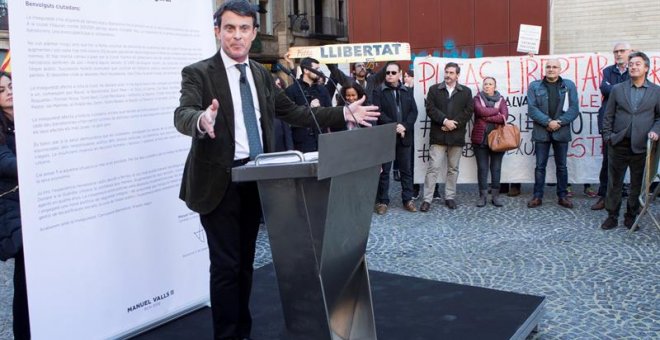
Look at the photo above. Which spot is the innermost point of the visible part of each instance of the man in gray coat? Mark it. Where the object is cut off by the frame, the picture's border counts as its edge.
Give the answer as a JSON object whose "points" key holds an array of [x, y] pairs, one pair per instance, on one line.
{"points": [[632, 115]]}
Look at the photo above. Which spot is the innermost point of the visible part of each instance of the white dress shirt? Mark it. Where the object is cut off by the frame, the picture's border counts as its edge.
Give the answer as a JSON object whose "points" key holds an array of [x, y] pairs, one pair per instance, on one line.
{"points": [[233, 76]]}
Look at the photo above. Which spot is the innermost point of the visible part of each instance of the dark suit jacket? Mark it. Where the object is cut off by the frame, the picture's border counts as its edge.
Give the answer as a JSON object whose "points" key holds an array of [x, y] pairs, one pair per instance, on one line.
{"points": [[619, 116], [207, 172], [384, 99]]}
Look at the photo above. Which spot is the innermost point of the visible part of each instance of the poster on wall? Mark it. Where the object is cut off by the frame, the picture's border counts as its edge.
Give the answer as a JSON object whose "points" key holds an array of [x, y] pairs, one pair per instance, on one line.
{"points": [[109, 247], [513, 75]]}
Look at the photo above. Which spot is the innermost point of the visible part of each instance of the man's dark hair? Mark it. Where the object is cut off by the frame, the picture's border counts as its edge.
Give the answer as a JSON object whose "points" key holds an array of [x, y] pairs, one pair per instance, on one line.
{"points": [[307, 62], [454, 65], [411, 73], [240, 7], [393, 63], [642, 55]]}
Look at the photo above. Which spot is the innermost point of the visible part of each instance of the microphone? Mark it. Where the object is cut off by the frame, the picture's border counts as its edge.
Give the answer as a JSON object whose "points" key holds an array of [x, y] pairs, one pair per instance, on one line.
{"points": [[315, 71], [284, 69], [316, 122], [290, 74]]}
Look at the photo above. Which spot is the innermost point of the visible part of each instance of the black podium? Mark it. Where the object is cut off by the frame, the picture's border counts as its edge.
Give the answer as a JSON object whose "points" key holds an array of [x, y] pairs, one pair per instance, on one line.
{"points": [[318, 215]]}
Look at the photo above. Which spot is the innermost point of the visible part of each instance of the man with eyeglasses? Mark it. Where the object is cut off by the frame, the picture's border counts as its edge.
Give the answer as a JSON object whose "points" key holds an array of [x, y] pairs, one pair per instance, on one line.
{"points": [[227, 106], [612, 75], [552, 105], [305, 139], [632, 116]]}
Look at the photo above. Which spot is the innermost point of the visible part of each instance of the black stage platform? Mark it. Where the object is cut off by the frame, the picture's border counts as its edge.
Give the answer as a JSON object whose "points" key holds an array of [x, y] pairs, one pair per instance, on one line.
{"points": [[405, 308]]}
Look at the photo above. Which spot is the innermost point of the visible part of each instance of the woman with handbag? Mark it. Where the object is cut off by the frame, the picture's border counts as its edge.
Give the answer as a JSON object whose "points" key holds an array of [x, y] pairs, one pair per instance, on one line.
{"points": [[490, 110], [11, 242]]}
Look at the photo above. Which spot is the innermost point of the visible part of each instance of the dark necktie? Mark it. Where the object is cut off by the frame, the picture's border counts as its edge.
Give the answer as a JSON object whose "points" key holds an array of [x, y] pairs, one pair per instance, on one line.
{"points": [[249, 115], [397, 104]]}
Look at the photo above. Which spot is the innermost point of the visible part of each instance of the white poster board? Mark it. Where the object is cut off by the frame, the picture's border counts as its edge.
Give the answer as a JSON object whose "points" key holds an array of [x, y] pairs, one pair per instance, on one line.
{"points": [[513, 75], [109, 247], [529, 39]]}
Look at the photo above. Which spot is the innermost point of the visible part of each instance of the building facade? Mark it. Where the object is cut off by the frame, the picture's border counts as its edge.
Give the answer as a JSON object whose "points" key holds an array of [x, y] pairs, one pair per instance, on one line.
{"points": [[596, 25], [285, 23]]}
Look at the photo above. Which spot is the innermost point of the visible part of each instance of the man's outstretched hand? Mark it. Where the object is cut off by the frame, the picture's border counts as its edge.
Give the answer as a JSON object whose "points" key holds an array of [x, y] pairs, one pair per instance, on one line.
{"points": [[207, 121], [362, 115]]}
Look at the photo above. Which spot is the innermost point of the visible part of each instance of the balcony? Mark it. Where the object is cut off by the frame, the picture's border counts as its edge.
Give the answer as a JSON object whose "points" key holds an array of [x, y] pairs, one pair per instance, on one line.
{"points": [[320, 27]]}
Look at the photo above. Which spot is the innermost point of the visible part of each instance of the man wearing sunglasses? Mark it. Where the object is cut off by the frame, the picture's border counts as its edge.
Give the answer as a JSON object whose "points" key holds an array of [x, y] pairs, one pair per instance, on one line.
{"points": [[397, 105]]}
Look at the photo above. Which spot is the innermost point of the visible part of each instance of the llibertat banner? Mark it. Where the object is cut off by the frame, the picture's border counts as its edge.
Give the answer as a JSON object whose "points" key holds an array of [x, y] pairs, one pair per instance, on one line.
{"points": [[513, 75], [109, 247], [351, 53]]}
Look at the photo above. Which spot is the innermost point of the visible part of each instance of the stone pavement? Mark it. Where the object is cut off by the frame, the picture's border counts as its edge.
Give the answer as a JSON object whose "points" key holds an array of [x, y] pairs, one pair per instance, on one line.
{"points": [[599, 284]]}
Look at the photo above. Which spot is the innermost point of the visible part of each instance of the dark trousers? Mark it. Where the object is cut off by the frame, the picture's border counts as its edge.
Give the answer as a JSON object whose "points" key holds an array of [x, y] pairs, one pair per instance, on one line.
{"points": [[20, 306], [488, 159], [231, 232], [402, 159], [602, 188], [542, 154], [621, 157]]}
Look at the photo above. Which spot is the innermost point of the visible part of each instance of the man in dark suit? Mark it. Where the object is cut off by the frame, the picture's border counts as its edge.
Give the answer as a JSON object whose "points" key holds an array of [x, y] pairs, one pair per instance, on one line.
{"points": [[227, 106], [398, 106], [632, 115]]}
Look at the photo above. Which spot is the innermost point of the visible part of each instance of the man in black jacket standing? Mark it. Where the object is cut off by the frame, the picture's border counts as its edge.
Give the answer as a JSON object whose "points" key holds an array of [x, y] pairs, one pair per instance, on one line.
{"points": [[449, 106], [612, 75], [397, 105], [305, 139]]}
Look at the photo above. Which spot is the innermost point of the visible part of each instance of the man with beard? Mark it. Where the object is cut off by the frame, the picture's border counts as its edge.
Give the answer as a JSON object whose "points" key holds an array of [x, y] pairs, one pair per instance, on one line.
{"points": [[305, 139], [450, 107]]}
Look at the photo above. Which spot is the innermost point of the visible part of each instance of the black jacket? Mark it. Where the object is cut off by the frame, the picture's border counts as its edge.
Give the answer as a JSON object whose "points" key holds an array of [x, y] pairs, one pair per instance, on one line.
{"points": [[11, 241], [207, 172], [384, 99], [305, 139], [458, 107]]}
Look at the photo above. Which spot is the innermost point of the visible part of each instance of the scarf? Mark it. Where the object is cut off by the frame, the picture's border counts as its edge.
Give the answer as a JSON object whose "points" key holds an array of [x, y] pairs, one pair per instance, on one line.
{"points": [[490, 101]]}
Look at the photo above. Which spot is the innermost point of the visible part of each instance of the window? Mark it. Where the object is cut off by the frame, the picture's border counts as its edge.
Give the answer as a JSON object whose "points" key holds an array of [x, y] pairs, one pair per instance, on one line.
{"points": [[264, 15]]}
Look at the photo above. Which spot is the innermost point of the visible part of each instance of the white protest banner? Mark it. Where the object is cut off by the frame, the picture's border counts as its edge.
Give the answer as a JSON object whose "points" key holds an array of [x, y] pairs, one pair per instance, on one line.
{"points": [[109, 247], [529, 39], [351, 53], [513, 75]]}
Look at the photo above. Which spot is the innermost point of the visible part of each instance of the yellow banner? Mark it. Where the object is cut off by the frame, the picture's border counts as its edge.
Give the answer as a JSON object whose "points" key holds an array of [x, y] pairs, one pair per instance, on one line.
{"points": [[351, 53]]}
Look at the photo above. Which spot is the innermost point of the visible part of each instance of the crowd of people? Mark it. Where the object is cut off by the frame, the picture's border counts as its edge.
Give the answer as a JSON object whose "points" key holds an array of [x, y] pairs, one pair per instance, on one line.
{"points": [[450, 106]]}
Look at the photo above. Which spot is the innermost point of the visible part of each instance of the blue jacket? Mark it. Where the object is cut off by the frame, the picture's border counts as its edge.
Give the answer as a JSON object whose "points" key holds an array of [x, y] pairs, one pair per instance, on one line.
{"points": [[537, 105], [611, 77]]}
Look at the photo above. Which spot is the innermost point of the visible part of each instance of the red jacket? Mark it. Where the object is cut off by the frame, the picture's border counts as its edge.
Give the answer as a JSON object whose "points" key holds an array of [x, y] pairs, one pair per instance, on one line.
{"points": [[484, 115]]}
